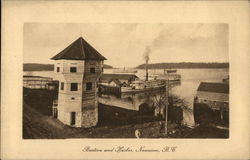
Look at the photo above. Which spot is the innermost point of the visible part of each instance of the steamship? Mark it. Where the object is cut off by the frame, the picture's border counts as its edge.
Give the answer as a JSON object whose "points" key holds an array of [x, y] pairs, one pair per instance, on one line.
{"points": [[142, 86], [145, 85]]}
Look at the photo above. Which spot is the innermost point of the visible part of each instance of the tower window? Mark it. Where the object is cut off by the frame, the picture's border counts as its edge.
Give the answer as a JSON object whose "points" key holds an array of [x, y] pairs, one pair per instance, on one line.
{"points": [[73, 87], [58, 69], [72, 69], [89, 86], [92, 70], [62, 86]]}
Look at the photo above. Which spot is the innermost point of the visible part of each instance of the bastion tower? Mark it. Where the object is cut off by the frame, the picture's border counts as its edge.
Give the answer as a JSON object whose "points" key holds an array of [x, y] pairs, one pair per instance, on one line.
{"points": [[78, 69]]}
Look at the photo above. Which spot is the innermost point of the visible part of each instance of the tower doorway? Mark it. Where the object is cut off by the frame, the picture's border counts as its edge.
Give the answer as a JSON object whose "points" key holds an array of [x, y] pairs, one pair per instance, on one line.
{"points": [[72, 118]]}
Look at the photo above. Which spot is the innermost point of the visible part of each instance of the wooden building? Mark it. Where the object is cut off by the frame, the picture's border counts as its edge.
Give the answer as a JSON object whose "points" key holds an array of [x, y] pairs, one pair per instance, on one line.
{"points": [[212, 103], [37, 82], [116, 83], [78, 69]]}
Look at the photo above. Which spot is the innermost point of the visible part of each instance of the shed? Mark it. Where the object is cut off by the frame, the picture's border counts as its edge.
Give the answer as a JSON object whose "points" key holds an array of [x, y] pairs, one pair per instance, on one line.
{"points": [[115, 82], [216, 95]]}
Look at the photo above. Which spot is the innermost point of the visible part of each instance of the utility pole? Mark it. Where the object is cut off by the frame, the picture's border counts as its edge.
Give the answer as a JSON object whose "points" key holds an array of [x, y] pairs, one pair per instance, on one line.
{"points": [[166, 107]]}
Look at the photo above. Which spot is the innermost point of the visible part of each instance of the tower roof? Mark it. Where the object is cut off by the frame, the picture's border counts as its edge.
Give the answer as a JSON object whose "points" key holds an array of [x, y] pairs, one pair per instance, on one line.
{"points": [[79, 50]]}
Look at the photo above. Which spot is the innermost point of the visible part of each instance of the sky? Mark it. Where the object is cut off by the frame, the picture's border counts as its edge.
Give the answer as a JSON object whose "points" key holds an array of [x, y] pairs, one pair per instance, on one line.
{"points": [[126, 44]]}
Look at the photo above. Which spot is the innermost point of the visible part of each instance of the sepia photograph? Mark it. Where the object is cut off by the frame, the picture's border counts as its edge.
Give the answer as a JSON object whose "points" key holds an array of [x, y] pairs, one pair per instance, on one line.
{"points": [[125, 80]]}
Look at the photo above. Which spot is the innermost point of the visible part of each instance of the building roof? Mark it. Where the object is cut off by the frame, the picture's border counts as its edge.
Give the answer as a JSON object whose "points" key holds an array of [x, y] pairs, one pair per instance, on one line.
{"points": [[109, 77], [214, 87], [27, 77], [79, 50], [116, 81]]}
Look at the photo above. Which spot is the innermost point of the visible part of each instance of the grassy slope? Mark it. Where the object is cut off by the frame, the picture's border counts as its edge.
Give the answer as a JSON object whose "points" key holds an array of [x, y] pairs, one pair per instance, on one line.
{"points": [[37, 125], [114, 122]]}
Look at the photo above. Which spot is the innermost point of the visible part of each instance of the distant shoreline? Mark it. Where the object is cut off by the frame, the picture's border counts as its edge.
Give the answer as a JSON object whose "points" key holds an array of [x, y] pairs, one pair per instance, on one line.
{"points": [[184, 65], [188, 65], [46, 67], [184, 68]]}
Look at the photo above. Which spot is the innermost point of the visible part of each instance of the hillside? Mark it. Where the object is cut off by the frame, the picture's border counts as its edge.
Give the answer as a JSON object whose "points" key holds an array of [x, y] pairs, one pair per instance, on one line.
{"points": [[38, 123], [184, 65], [46, 67], [37, 67]]}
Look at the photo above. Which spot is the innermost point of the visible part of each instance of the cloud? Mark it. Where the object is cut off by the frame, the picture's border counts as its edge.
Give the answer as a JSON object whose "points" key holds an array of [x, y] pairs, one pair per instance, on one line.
{"points": [[125, 43]]}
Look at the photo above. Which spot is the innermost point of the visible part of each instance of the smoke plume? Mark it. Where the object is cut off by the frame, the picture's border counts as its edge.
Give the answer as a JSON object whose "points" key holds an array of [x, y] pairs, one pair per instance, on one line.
{"points": [[147, 53]]}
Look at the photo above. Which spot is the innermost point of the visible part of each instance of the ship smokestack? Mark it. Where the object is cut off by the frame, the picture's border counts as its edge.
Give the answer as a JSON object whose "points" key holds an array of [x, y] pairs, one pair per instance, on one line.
{"points": [[146, 57]]}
